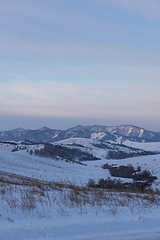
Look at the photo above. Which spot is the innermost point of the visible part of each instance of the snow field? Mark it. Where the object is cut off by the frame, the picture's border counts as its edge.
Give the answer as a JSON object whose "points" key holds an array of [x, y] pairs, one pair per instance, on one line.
{"points": [[32, 213]]}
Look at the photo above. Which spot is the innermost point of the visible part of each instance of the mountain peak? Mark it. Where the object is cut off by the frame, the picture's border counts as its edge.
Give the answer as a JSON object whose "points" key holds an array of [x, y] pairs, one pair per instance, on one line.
{"points": [[44, 128], [76, 128], [18, 129]]}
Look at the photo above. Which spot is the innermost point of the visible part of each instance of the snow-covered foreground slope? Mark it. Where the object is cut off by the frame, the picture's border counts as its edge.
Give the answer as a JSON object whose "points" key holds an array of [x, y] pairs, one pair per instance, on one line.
{"points": [[122, 226], [60, 219]]}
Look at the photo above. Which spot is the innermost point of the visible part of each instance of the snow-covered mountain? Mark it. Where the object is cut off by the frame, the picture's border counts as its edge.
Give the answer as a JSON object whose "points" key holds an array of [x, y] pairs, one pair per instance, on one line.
{"points": [[131, 131], [104, 133]]}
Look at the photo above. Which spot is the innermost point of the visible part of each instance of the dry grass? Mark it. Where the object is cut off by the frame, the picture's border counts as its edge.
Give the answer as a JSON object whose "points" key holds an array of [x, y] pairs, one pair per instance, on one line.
{"points": [[32, 195]]}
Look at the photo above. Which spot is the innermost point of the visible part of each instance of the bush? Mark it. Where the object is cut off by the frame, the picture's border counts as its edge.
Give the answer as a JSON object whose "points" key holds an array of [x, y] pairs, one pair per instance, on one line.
{"points": [[15, 149], [117, 184], [122, 171], [110, 183], [31, 152], [91, 183], [130, 172], [145, 175]]}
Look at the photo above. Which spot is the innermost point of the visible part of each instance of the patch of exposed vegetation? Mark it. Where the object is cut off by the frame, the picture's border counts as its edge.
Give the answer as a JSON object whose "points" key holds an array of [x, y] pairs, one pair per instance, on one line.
{"points": [[57, 151], [141, 179], [118, 185], [102, 146], [122, 155], [130, 172]]}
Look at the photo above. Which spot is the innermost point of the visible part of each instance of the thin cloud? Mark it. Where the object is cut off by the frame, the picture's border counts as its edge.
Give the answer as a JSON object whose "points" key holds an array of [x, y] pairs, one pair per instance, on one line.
{"points": [[78, 100]]}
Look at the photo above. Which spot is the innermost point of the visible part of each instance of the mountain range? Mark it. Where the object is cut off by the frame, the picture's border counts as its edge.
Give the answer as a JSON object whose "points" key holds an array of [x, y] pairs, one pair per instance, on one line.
{"points": [[97, 132]]}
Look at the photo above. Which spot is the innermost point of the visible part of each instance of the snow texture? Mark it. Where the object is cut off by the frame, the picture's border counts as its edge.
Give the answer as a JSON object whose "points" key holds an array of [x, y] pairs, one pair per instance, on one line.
{"points": [[76, 225]]}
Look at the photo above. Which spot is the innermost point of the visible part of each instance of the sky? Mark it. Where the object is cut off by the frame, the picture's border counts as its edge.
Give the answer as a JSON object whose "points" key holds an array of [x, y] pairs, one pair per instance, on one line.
{"points": [[67, 62]]}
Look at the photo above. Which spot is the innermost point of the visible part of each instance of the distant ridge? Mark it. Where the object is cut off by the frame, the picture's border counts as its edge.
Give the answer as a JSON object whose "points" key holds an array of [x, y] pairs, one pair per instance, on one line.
{"points": [[104, 133]]}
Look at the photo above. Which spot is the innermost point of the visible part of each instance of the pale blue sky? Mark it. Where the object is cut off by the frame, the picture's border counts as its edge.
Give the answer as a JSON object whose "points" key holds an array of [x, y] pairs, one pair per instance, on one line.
{"points": [[67, 62]]}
